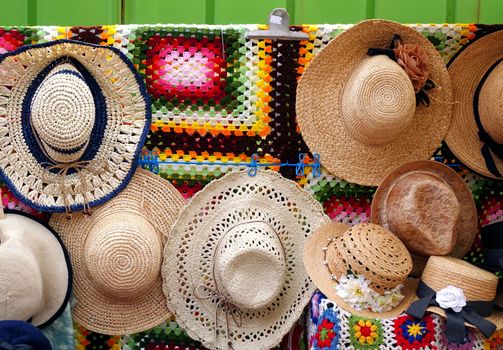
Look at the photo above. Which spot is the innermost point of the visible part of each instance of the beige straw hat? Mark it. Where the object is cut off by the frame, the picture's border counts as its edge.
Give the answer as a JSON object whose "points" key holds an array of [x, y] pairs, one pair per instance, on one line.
{"points": [[429, 207], [35, 270], [233, 270], [117, 255], [366, 250], [476, 134], [75, 117], [359, 112], [455, 283]]}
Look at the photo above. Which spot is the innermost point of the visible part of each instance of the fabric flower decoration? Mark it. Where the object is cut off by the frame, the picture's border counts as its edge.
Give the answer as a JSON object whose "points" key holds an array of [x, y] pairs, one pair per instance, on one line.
{"points": [[414, 60], [353, 289], [451, 297]]}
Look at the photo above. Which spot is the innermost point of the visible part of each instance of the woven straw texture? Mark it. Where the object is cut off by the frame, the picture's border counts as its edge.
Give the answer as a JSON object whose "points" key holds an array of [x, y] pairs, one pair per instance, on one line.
{"points": [[429, 207], [365, 249], [323, 97], [236, 199], [463, 138], [117, 255], [127, 118]]}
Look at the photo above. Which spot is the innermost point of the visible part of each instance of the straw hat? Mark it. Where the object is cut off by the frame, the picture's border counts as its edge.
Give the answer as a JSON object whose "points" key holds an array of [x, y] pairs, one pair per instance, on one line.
{"points": [[366, 250], [443, 272], [35, 270], [117, 256], [359, 112], [477, 76], [75, 117], [429, 207], [20, 335], [232, 268]]}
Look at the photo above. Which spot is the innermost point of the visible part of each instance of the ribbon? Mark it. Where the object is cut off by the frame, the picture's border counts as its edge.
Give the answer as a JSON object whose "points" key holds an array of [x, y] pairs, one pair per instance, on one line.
{"points": [[4, 345], [231, 310], [422, 95], [488, 143], [492, 236], [473, 313]]}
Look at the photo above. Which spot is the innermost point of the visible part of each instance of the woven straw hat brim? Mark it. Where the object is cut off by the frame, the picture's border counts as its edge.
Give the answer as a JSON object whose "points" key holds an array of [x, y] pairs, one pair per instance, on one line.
{"points": [[95, 310], [467, 225], [112, 154], [49, 253], [467, 70], [319, 105], [313, 262], [233, 199]]}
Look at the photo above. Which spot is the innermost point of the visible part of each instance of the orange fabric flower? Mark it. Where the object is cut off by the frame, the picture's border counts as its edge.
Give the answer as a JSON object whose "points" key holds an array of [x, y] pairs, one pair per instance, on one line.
{"points": [[414, 60]]}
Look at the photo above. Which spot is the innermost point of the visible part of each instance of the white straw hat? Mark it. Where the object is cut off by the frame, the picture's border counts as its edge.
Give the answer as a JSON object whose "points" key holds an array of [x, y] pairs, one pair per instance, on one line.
{"points": [[233, 271], [117, 255], [75, 117], [361, 110], [35, 270]]}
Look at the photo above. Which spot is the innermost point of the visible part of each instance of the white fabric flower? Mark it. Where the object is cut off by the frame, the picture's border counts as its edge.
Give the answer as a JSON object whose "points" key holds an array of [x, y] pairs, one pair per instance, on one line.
{"points": [[451, 297], [352, 289]]}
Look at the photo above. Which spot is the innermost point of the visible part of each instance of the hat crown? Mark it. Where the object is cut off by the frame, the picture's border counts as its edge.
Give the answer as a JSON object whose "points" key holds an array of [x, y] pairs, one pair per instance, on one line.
{"points": [[490, 104], [422, 210], [378, 102], [477, 284], [123, 255], [63, 114], [371, 251], [250, 267]]}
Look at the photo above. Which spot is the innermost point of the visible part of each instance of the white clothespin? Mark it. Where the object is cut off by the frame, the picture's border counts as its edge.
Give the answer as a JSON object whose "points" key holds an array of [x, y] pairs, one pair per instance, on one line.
{"points": [[279, 28]]}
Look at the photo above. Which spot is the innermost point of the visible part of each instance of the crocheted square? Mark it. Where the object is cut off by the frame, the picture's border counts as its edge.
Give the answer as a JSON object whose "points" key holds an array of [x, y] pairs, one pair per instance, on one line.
{"points": [[414, 334], [12, 39], [365, 333], [327, 333]]}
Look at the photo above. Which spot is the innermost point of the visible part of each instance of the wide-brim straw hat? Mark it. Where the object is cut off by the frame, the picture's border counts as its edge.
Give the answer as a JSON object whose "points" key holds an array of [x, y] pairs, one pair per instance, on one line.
{"points": [[117, 255], [234, 260], [426, 211], [314, 258], [35, 270], [476, 74], [476, 283], [75, 117], [342, 85]]}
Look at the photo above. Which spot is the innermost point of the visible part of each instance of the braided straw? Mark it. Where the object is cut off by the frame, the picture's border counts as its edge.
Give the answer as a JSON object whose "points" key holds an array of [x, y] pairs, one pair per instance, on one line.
{"points": [[62, 116], [363, 132], [466, 73], [117, 254], [259, 215]]}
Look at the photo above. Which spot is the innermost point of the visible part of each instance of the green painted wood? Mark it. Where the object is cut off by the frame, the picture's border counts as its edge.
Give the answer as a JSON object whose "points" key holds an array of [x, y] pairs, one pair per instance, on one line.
{"points": [[166, 11], [467, 11], [329, 11], [412, 11], [491, 11], [83, 13], [14, 12], [244, 11]]}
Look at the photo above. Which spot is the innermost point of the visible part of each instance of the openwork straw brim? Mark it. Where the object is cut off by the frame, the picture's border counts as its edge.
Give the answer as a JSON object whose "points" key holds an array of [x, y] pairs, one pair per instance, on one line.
{"points": [[320, 274], [467, 70], [148, 198], [320, 98], [121, 124], [238, 198], [475, 283], [466, 228]]}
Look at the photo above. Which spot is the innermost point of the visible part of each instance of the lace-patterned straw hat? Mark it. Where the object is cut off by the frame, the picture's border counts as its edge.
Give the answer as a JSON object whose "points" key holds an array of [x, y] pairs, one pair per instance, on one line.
{"points": [[73, 119], [117, 255], [232, 269], [476, 134], [364, 269], [376, 97]]}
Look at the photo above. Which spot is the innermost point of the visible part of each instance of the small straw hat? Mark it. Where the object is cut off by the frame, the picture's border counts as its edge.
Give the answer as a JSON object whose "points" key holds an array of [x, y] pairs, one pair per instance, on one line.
{"points": [[117, 256], [233, 270], [74, 117], [359, 112], [35, 270], [429, 207], [366, 250], [476, 134]]}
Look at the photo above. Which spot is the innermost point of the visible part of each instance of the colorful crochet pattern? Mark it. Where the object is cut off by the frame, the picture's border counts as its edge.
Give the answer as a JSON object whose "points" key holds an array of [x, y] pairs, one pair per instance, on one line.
{"points": [[220, 97]]}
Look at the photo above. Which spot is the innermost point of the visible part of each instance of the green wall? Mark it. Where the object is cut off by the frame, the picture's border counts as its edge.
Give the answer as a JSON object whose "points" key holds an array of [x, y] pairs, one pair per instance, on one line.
{"points": [[95, 12]]}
